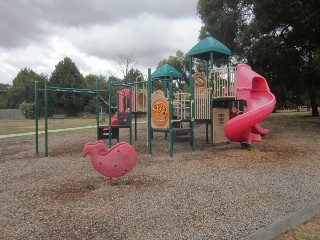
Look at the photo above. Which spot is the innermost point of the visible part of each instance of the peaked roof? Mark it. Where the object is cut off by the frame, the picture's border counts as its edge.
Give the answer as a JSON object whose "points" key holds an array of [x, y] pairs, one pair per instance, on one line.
{"points": [[163, 72], [203, 48]]}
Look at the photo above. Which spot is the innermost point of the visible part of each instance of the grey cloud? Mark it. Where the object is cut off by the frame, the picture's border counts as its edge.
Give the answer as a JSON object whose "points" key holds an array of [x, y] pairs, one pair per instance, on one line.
{"points": [[39, 33], [22, 22], [18, 25], [83, 12]]}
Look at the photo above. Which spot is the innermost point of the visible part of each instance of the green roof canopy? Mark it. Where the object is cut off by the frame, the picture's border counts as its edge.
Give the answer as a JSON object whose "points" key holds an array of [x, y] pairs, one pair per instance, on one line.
{"points": [[163, 72], [203, 48]]}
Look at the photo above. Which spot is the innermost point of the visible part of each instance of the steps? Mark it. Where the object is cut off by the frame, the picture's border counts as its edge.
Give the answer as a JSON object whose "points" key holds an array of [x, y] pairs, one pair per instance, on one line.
{"points": [[182, 134], [103, 133]]}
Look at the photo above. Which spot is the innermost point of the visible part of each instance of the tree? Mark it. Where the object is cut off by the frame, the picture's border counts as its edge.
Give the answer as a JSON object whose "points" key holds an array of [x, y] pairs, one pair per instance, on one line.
{"points": [[297, 24], [124, 63], [281, 68], [180, 62], [90, 83], [227, 21], [66, 75], [281, 37], [23, 88], [4, 88], [27, 109], [134, 75]]}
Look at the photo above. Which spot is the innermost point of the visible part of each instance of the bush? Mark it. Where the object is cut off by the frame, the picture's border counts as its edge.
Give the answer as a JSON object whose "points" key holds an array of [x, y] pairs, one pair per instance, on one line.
{"points": [[27, 109]]}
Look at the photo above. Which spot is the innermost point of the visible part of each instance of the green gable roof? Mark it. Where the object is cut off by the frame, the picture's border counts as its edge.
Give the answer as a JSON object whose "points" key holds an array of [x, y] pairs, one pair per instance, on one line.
{"points": [[163, 72], [203, 48]]}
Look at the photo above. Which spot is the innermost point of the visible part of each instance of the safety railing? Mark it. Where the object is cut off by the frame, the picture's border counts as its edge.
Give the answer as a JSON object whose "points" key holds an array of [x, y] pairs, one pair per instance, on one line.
{"points": [[224, 84], [181, 105], [202, 103]]}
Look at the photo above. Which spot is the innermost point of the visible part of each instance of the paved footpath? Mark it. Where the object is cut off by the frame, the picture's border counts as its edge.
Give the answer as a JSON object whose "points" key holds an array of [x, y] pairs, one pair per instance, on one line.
{"points": [[56, 130], [42, 132]]}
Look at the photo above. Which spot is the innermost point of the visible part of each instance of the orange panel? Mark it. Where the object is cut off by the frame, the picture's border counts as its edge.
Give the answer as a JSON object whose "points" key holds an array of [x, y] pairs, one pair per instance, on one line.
{"points": [[159, 114]]}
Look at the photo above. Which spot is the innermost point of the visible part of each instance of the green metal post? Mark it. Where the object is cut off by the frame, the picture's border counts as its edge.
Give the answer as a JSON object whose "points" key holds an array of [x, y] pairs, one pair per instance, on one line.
{"points": [[149, 111], [97, 107], [130, 117], [109, 112], [192, 113], [135, 110], [211, 95], [207, 126], [229, 79], [46, 117], [170, 115], [36, 115]]}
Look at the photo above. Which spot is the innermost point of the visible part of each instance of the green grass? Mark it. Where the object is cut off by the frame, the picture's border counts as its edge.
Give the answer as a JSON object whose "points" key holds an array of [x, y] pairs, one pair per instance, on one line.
{"points": [[293, 121]]}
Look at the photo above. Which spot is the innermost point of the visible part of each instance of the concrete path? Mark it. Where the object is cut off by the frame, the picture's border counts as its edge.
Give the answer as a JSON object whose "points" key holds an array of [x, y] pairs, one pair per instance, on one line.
{"points": [[56, 130], [42, 132]]}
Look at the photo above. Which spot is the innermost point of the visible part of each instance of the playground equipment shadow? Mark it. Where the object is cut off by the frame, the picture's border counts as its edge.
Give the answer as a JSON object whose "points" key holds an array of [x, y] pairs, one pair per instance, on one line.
{"points": [[223, 192]]}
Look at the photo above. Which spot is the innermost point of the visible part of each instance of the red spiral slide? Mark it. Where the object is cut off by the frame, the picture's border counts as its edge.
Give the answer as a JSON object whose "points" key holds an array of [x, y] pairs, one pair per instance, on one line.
{"points": [[254, 89]]}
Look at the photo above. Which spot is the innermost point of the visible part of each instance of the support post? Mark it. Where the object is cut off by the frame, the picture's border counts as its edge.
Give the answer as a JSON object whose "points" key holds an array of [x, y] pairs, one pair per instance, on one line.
{"points": [[36, 114], [192, 105], [211, 95], [130, 106], [228, 76], [208, 86], [97, 107], [149, 111], [135, 110], [109, 103], [46, 117], [170, 114]]}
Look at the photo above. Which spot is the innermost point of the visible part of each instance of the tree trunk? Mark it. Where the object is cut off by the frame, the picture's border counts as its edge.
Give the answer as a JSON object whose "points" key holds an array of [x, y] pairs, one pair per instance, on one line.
{"points": [[313, 102], [312, 96], [310, 77]]}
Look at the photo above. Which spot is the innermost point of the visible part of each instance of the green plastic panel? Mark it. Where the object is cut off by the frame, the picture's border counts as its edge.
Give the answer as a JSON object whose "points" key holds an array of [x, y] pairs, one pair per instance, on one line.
{"points": [[203, 48], [163, 72]]}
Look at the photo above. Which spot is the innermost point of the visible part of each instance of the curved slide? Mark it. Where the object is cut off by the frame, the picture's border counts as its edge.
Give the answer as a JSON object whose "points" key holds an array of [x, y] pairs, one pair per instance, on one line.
{"points": [[252, 88]]}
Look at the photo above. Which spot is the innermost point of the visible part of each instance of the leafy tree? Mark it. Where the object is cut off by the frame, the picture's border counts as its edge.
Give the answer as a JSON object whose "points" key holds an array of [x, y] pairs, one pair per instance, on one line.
{"points": [[90, 83], [4, 88], [227, 21], [27, 109], [66, 75], [280, 38], [114, 90], [297, 24], [180, 62], [285, 78], [134, 75], [23, 88]]}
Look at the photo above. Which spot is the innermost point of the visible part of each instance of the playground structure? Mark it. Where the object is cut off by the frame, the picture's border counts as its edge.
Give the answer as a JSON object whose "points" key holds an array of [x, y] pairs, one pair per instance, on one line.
{"points": [[127, 107], [229, 101], [131, 101]]}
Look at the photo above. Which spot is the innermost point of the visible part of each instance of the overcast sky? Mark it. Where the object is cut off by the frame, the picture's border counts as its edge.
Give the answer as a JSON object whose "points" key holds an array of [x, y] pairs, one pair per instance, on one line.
{"points": [[38, 34]]}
